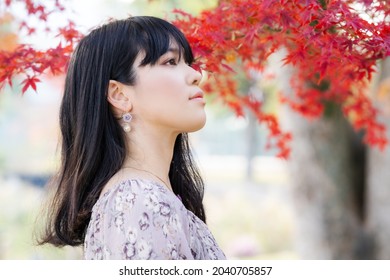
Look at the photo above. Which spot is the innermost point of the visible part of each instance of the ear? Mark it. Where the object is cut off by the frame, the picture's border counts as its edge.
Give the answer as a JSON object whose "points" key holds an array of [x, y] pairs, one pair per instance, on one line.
{"points": [[119, 97]]}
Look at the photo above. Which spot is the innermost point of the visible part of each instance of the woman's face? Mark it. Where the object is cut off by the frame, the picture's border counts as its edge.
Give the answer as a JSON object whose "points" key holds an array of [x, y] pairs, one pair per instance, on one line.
{"points": [[167, 95]]}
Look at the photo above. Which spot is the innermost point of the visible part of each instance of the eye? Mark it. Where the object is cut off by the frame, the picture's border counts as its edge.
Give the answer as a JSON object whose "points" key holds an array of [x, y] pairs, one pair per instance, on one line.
{"points": [[171, 61]]}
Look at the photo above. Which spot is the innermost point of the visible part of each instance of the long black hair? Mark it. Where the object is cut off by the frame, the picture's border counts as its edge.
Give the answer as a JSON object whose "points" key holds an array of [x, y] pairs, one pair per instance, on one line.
{"points": [[93, 143]]}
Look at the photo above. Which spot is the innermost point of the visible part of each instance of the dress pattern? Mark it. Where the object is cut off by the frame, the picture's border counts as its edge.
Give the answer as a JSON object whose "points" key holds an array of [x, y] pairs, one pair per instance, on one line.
{"points": [[142, 220]]}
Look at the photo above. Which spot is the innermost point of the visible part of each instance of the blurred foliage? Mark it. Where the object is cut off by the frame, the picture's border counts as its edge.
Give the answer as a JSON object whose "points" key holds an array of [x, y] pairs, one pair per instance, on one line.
{"points": [[163, 8]]}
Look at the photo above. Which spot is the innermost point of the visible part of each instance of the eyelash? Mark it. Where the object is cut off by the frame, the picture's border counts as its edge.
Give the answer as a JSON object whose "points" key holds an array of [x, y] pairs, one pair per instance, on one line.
{"points": [[171, 61]]}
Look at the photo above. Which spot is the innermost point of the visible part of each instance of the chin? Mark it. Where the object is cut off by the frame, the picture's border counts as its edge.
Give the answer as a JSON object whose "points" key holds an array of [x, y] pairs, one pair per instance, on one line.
{"points": [[196, 125]]}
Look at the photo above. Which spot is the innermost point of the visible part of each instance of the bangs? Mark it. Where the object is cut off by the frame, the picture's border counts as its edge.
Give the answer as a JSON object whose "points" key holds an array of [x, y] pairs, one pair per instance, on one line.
{"points": [[157, 36]]}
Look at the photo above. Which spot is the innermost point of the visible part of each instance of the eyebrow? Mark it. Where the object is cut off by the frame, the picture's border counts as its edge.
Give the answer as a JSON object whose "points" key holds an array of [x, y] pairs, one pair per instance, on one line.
{"points": [[175, 50]]}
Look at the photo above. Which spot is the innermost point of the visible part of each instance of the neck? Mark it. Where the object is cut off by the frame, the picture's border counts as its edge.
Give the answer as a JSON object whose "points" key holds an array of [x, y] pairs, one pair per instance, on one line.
{"points": [[151, 151]]}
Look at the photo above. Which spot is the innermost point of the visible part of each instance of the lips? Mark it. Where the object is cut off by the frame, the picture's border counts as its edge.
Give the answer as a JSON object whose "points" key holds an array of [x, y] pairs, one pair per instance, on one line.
{"points": [[198, 95]]}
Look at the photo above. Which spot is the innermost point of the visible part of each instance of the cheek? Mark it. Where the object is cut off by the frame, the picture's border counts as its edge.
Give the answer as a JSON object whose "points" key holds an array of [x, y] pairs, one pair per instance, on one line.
{"points": [[163, 101], [164, 91]]}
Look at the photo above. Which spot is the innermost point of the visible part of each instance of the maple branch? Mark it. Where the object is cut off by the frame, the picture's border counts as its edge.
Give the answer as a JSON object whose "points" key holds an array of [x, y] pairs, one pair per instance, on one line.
{"points": [[28, 62]]}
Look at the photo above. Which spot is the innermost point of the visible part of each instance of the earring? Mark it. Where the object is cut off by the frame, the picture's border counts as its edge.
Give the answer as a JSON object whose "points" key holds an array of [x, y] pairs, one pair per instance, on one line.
{"points": [[127, 117]]}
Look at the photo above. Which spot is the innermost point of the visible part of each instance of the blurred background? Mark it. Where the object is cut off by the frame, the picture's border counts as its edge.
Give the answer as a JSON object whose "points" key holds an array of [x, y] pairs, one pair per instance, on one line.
{"points": [[330, 200]]}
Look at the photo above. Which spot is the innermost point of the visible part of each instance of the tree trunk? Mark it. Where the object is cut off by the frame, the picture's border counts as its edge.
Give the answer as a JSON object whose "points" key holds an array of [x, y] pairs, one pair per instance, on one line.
{"points": [[252, 142], [327, 171], [328, 179], [378, 181]]}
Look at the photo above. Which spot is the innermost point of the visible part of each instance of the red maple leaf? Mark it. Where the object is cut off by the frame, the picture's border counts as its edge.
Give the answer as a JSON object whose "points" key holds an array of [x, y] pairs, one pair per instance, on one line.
{"points": [[30, 82]]}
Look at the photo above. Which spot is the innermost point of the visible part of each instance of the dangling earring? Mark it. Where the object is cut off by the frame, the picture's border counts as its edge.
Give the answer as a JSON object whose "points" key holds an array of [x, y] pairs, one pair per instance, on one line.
{"points": [[127, 117]]}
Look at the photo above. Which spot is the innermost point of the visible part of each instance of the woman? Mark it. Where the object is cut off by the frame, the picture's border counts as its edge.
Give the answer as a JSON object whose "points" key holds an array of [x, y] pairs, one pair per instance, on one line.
{"points": [[128, 187]]}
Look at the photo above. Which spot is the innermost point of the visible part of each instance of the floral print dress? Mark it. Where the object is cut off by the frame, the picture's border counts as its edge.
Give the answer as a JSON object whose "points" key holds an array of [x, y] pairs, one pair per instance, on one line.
{"points": [[141, 220]]}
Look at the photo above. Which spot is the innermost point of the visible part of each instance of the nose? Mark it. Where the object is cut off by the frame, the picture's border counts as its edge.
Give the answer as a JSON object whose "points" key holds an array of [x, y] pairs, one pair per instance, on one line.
{"points": [[194, 77]]}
